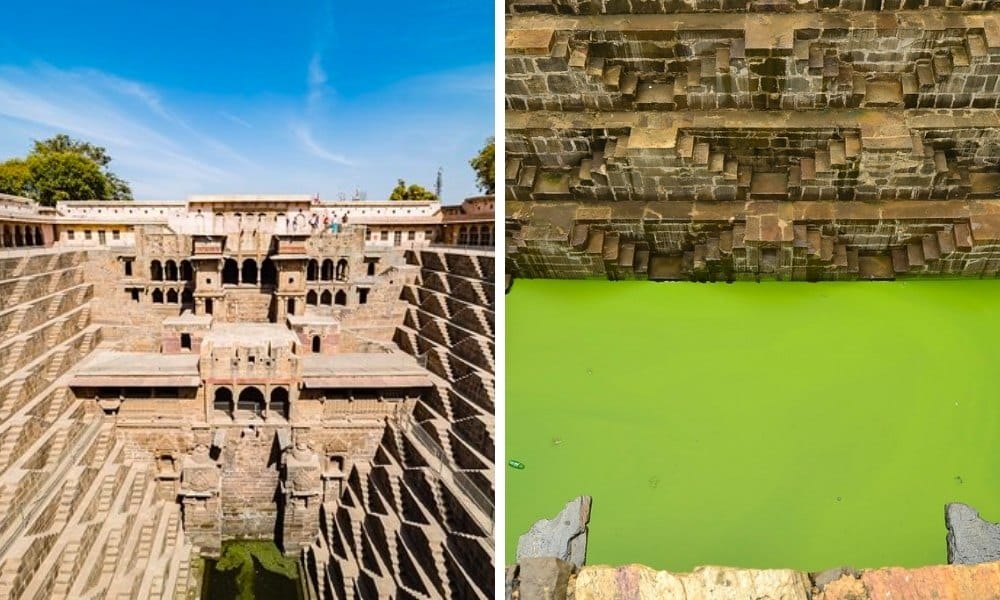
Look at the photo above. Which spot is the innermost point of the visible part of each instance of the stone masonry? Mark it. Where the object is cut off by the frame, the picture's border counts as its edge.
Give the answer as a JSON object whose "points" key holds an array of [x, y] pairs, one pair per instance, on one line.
{"points": [[417, 522], [734, 140], [179, 388]]}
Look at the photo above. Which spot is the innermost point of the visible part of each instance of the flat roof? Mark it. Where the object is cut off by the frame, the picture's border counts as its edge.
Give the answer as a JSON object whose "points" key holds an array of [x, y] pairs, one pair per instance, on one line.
{"points": [[311, 319], [363, 370], [109, 368], [254, 335]]}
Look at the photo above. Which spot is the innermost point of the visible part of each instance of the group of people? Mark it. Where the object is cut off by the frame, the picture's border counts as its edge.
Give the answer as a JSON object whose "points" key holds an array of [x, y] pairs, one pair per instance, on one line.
{"points": [[329, 222]]}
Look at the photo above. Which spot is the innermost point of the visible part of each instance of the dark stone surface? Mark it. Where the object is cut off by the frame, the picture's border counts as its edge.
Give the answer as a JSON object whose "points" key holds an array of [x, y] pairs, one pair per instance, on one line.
{"points": [[971, 539], [510, 581], [823, 578], [544, 578], [564, 537]]}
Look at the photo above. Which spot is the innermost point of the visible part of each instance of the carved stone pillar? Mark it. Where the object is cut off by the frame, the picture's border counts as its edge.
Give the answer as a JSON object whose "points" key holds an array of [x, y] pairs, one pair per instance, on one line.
{"points": [[302, 488], [201, 500]]}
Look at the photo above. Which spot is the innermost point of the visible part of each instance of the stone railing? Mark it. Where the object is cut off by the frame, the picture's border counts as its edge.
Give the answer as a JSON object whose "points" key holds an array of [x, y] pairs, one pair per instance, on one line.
{"points": [[469, 489]]}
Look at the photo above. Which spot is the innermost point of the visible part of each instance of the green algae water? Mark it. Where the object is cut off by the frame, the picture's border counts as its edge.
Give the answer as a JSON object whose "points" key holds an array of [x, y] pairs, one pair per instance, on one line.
{"points": [[251, 570], [757, 425]]}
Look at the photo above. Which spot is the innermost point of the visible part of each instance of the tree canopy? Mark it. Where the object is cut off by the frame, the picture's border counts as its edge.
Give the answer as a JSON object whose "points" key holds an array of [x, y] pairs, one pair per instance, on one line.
{"points": [[413, 192], [62, 168], [483, 164]]}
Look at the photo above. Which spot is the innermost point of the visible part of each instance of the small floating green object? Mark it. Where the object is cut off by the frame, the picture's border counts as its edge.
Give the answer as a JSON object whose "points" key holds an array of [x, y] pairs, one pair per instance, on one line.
{"points": [[516, 464]]}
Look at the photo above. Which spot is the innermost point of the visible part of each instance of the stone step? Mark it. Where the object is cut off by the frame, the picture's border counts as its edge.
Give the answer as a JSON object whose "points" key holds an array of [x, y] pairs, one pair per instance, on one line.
{"points": [[899, 259]]}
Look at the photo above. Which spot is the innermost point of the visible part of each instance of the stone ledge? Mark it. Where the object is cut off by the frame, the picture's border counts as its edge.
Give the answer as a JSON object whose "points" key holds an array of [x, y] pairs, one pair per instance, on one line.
{"points": [[635, 582]]}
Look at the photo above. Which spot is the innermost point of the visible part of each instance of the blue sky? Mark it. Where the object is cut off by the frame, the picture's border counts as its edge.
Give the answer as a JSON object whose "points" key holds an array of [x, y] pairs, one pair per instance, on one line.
{"points": [[256, 97]]}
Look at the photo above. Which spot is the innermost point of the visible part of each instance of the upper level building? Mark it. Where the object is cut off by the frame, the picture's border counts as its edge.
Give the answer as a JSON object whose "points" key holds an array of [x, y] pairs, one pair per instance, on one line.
{"points": [[406, 224]]}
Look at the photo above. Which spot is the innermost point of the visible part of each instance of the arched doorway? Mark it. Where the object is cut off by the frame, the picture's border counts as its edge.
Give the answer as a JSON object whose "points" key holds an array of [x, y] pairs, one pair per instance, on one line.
{"points": [[290, 306], [316, 344], [473, 235], [340, 298], [172, 297], [186, 273], [311, 298], [326, 298], [230, 272], [327, 272], [268, 273], [187, 297], [223, 401], [157, 296], [279, 403], [208, 306], [250, 271], [170, 271], [250, 403], [156, 271], [341, 273], [312, 270]]}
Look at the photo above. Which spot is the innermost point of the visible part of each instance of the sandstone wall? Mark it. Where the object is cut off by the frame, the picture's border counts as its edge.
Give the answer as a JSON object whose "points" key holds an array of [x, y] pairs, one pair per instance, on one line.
{"points": [[417, 521], [549, 578], [75, 505], [692, 140]]}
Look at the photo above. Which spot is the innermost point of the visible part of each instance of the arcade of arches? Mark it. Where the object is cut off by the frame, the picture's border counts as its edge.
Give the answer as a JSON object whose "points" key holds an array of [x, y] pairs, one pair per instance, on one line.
{"points": [[18, 236]]}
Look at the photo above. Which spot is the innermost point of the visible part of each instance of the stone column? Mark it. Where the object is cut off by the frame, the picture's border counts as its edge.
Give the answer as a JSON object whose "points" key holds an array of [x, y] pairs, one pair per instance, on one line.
{"points": [[302, 488], [201, 499]]}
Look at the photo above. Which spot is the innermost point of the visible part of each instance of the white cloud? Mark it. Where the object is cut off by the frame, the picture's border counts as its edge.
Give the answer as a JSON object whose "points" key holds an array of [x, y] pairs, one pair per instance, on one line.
{"points": [[316, 80], [305, 137], [148, 140], [231, 117]]}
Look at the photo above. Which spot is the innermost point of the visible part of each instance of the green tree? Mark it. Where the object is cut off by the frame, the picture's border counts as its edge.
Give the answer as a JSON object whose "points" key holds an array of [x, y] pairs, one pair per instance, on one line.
{"points": [[64, 143], [62, 168], [413, 192], [483, 164], [57, 176], [15, 177]]}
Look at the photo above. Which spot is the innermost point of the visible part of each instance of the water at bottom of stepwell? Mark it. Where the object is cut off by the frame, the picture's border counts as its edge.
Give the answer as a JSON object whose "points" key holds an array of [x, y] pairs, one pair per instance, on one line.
{"points": [[251, 570], [759, 425]]}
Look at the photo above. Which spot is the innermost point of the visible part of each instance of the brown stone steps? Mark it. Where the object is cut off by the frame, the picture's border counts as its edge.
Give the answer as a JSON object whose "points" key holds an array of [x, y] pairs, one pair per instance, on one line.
{"points": [[465, 265], [915, 254], [23, 348], [104, 569], [480, 323], [473, 388], [54, 282], [28, 315], [475, 351], [11, 438], [66, 571], [436, 304], [438, 402], [156, 572], [473, 583], [46, 487], [71, 490], [406, 339], [182, 581], [38, 375]]}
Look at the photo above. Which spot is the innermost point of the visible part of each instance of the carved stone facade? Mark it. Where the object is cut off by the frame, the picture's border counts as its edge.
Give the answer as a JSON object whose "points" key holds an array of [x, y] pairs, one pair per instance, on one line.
{"points": [[155, 401], [707, 141]]}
